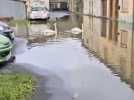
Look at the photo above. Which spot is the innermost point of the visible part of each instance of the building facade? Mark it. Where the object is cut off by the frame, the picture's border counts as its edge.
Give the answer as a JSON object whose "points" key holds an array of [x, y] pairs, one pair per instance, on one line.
{"points": [[58, 4], [108, 31], [72, 5], [76, 5]]}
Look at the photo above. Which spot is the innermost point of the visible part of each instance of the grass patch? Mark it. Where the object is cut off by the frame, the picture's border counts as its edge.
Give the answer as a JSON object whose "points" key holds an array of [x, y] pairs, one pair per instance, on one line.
{"points": [[16, 86]]}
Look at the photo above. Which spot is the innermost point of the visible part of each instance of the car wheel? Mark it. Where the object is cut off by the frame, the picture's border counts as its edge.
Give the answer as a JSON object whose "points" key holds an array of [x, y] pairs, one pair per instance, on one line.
{"points": [[12, 59]]}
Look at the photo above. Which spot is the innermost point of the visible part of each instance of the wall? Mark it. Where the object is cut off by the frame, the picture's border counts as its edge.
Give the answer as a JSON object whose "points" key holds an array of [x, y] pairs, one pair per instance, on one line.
{"points": [[58, 0], [116, 52], [58, 4], [75, 5], [12, 9]]}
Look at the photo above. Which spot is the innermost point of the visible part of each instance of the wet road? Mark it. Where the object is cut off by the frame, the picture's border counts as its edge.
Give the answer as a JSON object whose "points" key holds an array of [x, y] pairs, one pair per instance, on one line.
{"points": [[70, 72]]}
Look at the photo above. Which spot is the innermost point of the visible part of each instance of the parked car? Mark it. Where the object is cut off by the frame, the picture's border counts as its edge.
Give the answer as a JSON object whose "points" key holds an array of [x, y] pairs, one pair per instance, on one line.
{"points": [[6, 31], [5, 49], [39, 13]]}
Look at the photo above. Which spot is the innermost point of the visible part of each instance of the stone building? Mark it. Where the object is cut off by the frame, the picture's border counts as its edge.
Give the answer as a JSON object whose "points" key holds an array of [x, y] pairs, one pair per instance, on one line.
{"points": [[58, 4], [75, 5], [72, 5], [108, 31]]}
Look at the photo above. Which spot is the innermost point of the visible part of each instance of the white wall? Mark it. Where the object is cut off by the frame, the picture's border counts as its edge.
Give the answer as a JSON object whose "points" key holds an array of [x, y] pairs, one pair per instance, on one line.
{"points": [[10, 8]]}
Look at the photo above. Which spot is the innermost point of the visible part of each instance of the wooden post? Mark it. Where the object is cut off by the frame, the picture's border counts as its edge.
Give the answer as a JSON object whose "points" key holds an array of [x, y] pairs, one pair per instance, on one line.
{"points": [[55, 28]]}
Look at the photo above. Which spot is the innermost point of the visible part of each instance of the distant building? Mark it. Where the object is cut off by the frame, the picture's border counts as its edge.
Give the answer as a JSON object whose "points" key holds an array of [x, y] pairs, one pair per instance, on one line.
{"points": [[76, 5], [108, 30], [72, 5], [58, 4]]}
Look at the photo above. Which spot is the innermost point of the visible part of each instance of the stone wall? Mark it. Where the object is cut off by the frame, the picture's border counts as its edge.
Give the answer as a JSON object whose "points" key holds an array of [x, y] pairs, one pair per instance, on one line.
{"points": [[117, 51], [76, 5]]}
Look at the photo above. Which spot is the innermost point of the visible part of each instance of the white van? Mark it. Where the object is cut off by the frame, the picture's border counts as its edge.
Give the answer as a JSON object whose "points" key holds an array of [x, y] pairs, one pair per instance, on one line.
{"points": [[39, 13]]}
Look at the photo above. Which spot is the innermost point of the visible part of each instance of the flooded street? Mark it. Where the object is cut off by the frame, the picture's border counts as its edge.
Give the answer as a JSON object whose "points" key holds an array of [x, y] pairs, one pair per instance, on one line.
{"points": [[72, 72], [69, 70], [63, 22], [68, 49]]}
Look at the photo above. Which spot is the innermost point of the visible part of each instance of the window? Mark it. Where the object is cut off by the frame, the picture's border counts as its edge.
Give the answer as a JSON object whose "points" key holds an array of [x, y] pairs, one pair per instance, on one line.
{"points": [[124, 5]]}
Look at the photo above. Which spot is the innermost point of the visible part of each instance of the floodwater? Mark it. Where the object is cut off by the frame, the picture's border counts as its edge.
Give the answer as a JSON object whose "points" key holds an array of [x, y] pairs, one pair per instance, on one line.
{"points": [[71, 72], [63, 21]]}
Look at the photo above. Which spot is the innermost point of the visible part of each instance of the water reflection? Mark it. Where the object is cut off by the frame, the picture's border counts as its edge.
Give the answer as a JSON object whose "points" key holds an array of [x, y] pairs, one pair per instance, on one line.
{"points": [[59, 23], [64, 22], [69, 22]]}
